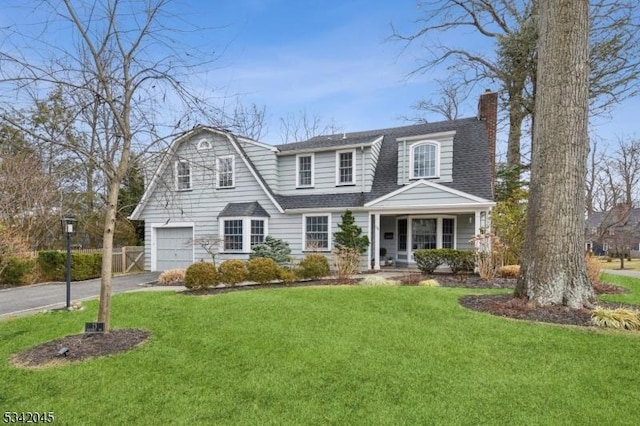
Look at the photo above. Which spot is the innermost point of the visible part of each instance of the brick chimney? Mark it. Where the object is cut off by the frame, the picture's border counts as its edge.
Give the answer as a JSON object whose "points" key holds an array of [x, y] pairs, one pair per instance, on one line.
{"points": [[488, 112]]}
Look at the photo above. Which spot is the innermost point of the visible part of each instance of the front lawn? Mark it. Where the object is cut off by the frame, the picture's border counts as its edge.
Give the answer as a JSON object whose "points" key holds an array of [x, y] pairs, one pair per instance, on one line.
{"points": [[328, 355]]}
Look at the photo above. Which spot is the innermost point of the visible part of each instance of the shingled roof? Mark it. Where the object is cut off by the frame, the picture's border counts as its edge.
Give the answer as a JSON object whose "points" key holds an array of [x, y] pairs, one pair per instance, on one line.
{"points": [[471, 161]]}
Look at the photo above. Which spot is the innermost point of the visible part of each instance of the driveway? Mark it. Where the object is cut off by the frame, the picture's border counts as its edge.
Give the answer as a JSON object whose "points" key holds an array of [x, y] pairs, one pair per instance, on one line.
{"points": [[33, 298]]}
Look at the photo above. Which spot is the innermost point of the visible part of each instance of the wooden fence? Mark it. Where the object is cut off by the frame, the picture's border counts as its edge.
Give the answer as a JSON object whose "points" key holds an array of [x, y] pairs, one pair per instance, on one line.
{"points": [[125, 259]]}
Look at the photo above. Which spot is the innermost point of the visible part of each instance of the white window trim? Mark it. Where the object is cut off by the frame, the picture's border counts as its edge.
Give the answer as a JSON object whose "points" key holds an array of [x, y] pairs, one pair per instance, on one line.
{"points": [[353, 167], [204, 145], [177, 177], [246, 232], [313, 171], [411, 159], [438, 230], [304, 232], [233, 171]]}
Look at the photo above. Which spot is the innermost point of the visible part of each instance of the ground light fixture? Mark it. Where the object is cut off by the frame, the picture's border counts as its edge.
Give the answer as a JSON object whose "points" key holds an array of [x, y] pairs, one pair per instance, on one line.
{"points": [[68, 228]]}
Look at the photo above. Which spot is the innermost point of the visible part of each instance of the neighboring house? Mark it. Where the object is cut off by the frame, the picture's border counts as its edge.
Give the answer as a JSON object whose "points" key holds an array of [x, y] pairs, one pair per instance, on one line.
{"points": [[613, 232], [411, 187]]}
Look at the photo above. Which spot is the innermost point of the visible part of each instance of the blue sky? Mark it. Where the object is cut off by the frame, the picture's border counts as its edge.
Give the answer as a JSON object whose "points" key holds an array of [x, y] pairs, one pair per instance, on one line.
{"points": [[334, 59], [330, 58]]}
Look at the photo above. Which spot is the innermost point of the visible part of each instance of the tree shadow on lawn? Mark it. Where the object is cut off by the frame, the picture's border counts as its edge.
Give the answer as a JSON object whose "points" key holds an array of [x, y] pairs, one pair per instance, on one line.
{"points": [[87, 346]]}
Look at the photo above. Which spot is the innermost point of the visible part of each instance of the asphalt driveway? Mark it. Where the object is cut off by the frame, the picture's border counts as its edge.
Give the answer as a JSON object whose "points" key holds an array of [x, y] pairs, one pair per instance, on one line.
{"points": [[33, 298]]}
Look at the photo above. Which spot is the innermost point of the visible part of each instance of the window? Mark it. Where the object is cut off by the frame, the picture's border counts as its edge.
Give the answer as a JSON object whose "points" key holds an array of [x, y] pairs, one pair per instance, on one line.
{"points": [[345, 167], [402, 235], [304, 173], [424, 233], [233, 235], [316, 232], [203, 145], [424, 160], [240, 234], [257, 232], [447, 233], [226, 168], [183, 175]]}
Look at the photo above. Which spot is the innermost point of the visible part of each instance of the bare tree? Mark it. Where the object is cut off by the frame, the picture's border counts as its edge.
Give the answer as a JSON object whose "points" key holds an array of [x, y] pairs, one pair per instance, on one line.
{"points": [[512, 28], [28, 196], [451, 96], [123, 68], [302, 126], [553, 267]]}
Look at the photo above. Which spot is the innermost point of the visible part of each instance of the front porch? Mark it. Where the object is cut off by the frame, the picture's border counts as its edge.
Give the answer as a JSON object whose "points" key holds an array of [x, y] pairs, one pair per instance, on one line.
{"points": [[394, 236]]}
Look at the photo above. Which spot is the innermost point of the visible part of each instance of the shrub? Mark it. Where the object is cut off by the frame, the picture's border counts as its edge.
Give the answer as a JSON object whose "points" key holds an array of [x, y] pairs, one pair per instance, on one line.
{"points": [[347, 262], [350, 234], [272, 248], [488, 251], [200, 275], [287, 275], [429, 283], [428, 260], [17, 271], [509, 271], [85, 266], [51, 264], [620, 318], [593, 269], [262, 270], [608, 259], [172, 276], [376, 280], [458, 260], [314, 266], [232, 271]]}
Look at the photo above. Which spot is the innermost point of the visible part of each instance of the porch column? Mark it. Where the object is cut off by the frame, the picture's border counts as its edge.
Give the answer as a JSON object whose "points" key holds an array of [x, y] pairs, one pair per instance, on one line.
{"points": [[477, 222], [376, 239]]}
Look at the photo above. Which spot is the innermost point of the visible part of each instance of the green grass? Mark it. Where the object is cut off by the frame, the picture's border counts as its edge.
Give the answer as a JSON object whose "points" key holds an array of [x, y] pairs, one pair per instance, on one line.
{"points": [[342, 355]]}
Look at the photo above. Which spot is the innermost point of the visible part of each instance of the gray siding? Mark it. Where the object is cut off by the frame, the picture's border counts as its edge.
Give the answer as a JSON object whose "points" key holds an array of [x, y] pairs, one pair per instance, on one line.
{"points": [[264, 160], [202, 204], [446, 159], [423, 195], [465, 231], [325, 174]]}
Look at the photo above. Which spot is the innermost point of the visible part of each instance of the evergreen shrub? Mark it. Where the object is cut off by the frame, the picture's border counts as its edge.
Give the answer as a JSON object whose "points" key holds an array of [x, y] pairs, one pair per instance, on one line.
{"points": [[232, 271]]}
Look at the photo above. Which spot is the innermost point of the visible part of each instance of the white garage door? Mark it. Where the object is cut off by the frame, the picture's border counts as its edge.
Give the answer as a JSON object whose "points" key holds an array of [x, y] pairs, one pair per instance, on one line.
{"points": [[174, 248]]}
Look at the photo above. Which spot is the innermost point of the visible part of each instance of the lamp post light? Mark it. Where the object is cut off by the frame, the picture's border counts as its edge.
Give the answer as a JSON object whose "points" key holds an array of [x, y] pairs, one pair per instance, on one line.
{"points": [[67, 228]]}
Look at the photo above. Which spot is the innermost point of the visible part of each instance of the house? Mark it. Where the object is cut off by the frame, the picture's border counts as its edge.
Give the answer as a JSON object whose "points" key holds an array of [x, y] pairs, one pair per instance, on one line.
{"points": [[411, 187], [614, 232]]}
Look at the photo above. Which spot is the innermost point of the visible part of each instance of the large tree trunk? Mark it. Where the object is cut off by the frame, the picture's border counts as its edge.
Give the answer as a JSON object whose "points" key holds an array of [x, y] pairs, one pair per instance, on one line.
{"points": [[553, 267]]}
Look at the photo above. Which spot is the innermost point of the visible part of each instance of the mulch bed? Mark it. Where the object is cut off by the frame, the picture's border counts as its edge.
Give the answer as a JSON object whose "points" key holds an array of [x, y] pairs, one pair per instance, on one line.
{"points": [[81, 347], [85, 346]]}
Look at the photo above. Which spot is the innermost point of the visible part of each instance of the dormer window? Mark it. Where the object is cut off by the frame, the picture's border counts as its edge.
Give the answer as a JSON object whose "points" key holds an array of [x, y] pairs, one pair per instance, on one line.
{"points": [[425, 161]]}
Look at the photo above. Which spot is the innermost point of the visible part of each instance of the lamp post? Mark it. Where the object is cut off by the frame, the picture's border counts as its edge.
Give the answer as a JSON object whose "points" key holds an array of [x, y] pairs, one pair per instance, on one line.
{"points": [[67, 228]]}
